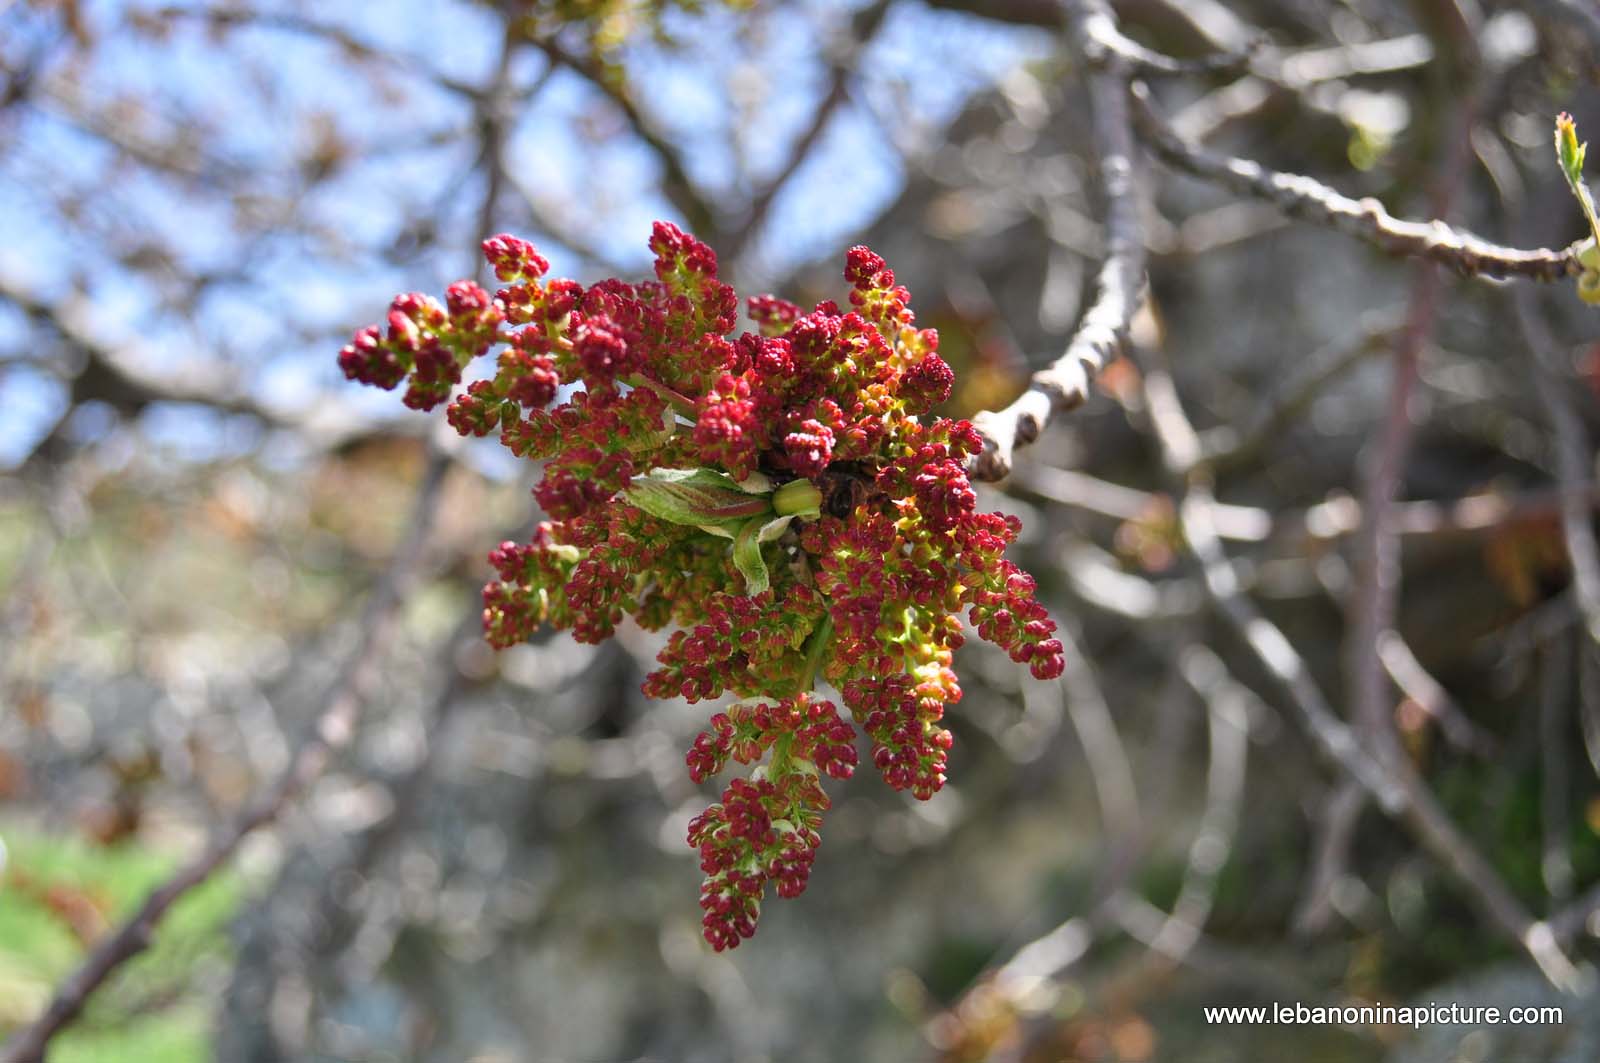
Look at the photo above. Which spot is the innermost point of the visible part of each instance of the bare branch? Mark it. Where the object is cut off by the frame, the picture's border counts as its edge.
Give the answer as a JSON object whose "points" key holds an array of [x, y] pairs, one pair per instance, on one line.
{"points": [[1064, 384], [1228, 447], [1392, 781], [1100, 27], [1228, 727], [864, 26], [676, 183], [1294, 74], [1306, 198], [1425, 692], [1572, 452], [1112, 773], [1555, 699], [1336, 821], [1578, 14]]}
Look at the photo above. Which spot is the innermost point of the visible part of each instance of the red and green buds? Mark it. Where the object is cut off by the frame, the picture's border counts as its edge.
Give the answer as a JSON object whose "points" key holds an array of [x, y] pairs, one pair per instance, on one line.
{"points": [[784, 499]]}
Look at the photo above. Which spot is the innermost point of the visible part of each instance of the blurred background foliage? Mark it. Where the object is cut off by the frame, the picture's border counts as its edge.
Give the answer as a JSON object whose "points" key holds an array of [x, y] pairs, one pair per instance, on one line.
{"points": [[200, 201]]}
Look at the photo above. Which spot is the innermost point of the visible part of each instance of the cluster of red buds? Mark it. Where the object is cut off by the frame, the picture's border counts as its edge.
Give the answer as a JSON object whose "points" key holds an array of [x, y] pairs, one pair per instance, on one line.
{"points": [[784, 498]]}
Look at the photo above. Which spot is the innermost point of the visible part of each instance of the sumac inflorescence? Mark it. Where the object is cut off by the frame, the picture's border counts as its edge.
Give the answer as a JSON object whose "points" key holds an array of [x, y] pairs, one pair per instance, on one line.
{"points": [[785, 499]]}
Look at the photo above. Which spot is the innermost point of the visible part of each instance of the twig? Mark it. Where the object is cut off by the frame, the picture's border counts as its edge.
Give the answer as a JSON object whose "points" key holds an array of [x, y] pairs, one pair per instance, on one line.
{"points": [[1423, 689], [1589, 705], [1572, 460], [1578, 917], [1581, 15], [1295, 73], [1374, 599], [1228, 728], [1100, 27], [864, 26], [1064, 384], [339, 36], [1305, 197], [1391, 781], [1229, 447], [676, 183], [1555, 863], [1340, 812], [1109, 767], [1336, 518], [332, 730]]}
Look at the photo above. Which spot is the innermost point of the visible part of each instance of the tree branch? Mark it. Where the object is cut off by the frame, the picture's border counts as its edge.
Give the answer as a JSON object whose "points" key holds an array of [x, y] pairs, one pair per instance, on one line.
{"points": [[1064, 384], [864, 26], [676, 183], [1306, 198], [1392, 782]]}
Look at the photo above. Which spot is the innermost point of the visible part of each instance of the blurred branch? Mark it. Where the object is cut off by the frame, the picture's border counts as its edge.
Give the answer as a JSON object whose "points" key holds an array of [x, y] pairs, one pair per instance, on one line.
{"points": [[1046, 14], [1107, 758], [1100, 27], [331, 731], [864, 26], [1393, 782], [1336, 518], [305, 25], [676, 183], [1309, 199], [1338, 815], [1228, 727], [1293, 74], [1229, 447], [1578, 917], [1573, 459], [1555, 698], [113, 373], [1373, 602], [1064, 384], [1426, 692], [1580, 15]]}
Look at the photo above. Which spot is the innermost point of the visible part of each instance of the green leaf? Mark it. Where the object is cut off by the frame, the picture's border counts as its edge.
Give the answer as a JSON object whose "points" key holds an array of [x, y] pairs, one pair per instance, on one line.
{"points": [[1570, 154], [703, 498], [747, 555], [1568, 150]]}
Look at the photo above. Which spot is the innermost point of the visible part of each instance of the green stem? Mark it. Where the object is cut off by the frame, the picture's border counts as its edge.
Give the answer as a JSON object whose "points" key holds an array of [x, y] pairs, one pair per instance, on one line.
{"points": [[797, 498], [816, 645], [778, 764], [677, 400]]}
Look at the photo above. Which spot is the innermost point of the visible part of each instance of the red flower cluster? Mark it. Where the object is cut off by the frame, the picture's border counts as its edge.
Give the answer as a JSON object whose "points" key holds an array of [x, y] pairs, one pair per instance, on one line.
{"points": [[785, 498]]}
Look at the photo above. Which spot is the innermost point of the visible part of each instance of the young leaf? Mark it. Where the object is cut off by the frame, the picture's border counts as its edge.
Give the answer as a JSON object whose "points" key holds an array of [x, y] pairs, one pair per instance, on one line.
{"points": [[747, 555], [700, 497], [1570, 154]]}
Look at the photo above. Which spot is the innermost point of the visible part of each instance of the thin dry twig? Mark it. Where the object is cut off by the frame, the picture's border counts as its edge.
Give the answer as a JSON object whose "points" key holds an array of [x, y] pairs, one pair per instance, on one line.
{"points": [[1228, 728], [1427, 694], [1555, 699], [864, 26], [1229, 447], [1335, 822], [1064, 384], [1297, 74], [1109, 767], [676, 183]]}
